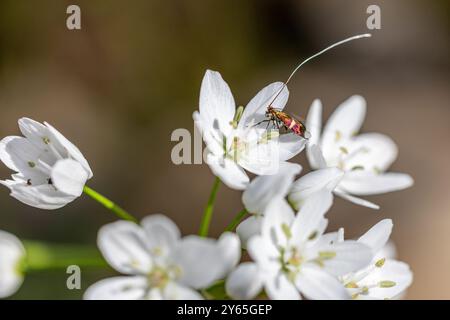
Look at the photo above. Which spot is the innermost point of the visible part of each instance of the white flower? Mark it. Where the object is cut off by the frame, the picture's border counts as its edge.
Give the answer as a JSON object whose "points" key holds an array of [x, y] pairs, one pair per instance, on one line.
{"points": [[50, 170], [259, 193], [384, 277], [12, 254], [364, 158], [293, 257], [158, 263], [233, 140]]}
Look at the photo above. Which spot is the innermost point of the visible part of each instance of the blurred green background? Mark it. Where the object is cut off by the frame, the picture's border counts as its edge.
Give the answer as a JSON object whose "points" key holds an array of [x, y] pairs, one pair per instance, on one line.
{"points": [[121, 85]]}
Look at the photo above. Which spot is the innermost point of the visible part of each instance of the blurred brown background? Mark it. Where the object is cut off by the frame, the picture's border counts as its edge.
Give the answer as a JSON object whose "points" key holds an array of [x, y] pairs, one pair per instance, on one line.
{"points": [[121, 85]]}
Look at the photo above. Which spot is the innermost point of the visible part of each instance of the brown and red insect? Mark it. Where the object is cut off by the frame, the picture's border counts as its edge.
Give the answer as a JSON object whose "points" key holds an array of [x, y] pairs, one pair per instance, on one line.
{"points": [[282, 119], [290, 123]]}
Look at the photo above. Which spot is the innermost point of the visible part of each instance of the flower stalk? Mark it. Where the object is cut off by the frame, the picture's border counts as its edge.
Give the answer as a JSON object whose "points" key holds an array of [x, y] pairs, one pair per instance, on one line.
{"points": [[207, 215], [107, 203], [236, 220], [42, 256]]}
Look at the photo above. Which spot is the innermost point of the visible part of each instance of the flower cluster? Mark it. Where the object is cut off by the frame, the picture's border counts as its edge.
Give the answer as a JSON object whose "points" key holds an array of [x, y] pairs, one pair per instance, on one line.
{"points": [[283, 227]]}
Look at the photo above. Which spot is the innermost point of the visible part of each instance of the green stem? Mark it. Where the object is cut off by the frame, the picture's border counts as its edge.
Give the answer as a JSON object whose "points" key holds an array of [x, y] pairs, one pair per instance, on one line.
{"points": [[121, 213], [206, 220], [42, 256], [238, 218]]}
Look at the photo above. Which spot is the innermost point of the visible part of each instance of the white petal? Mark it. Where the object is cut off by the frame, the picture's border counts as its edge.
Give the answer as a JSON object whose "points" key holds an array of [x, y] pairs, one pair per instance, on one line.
{"points": [[280, 288], [377, 237], [200, 260], [256, 108], [290, 146], [263, 189], [374, 152], [43, 197], [122, 243], [344, 123], [261, 158], [314, 181], [34, 131], [20, 155], [349, 256], [229, 246], [392, 270], [217, 105], [308, 220], [263, 251], [277, 216], [228, 171], [389, 251], [315, 156], [176, 291], [11, 253], [365, 183], [72, 150], [314, 126], [356, 200], [213, 138], [161, 234], [117, 288], [69, 176], [248, 228], [316, 284], [245, 282]]}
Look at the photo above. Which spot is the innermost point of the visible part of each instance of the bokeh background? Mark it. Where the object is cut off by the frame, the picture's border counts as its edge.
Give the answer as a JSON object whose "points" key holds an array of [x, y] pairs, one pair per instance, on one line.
{"points": [[121, 85]]}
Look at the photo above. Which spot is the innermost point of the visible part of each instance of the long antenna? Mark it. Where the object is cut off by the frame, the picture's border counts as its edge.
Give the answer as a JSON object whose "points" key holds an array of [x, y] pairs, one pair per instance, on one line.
{"points": [[365, 35]]}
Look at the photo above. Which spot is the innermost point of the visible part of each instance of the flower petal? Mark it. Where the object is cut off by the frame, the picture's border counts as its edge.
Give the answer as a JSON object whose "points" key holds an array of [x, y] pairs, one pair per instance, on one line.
{"points": [[72, 150], [316, 284], [117, 288], [264, 253], [245, 282], [277, 216], [348, 256], [344, 123], [230, 251], [256, 108], [374, 152], [201, 261], [314, 126], [20, 155], [161, 234], [248, 228], [122, 243], [394, 271], [356, 200], [11, 253], [310, 217], [263, 189], [377, 237], [278, 287], [290, 146], [314, 181], [217, 105], [176, 291], [43, 196], [69, 176], [228, 172], [364, 183]]}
